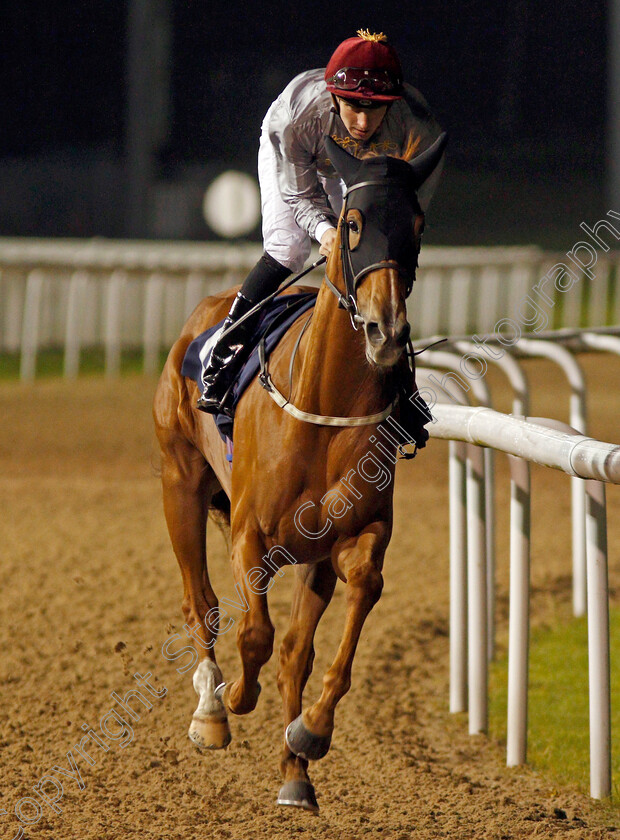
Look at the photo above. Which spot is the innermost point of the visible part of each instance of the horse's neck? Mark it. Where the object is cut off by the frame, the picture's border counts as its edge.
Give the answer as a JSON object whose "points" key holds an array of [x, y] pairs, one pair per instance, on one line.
{"points": [[335, 377]]}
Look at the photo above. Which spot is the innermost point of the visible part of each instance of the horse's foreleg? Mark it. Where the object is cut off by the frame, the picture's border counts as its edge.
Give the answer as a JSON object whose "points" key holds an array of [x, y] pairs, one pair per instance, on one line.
{"points": [[255, 631], [309, 735], [314, 588], [188, 484]]}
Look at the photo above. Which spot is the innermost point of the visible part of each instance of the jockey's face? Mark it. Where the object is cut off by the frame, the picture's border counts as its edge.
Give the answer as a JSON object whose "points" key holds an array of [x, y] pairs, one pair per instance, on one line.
{"points": [[360, 121]]}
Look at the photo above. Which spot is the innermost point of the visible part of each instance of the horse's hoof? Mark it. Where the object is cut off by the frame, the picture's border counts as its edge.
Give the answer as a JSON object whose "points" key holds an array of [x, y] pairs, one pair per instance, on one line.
{"points": [[300, 795], [304, 743], [209, 733], [222, 692]]}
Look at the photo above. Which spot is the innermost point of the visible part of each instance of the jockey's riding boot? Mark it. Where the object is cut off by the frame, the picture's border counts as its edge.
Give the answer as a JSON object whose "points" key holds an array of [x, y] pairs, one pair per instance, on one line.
{"points": [[229, 353], [414, 412], [227, 357]]}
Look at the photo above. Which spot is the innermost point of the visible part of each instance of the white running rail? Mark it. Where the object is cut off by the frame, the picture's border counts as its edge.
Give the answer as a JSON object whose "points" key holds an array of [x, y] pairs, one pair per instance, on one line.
{"points": [[72, 294], [576, 455]]}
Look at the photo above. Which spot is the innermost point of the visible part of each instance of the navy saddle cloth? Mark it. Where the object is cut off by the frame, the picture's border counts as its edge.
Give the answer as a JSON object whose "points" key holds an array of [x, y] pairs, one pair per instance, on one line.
{"points": [[277, 316]]}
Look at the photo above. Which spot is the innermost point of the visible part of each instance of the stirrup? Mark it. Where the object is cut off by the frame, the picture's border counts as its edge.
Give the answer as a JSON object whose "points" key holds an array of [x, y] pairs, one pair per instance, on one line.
{"points": [[209, 404]]}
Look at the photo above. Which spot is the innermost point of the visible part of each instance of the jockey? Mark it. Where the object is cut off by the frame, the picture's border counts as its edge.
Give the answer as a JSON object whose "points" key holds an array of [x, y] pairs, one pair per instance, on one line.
{"points": [[360, 100]]}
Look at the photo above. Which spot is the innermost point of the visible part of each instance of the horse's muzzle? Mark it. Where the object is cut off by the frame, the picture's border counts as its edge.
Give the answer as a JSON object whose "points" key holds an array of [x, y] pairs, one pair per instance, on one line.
{"points": [[386, 342]]}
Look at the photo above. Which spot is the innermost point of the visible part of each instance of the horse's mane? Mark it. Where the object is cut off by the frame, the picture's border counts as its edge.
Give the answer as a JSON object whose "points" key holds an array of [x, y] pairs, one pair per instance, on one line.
{"points": [[413, 141], [411, 147]]}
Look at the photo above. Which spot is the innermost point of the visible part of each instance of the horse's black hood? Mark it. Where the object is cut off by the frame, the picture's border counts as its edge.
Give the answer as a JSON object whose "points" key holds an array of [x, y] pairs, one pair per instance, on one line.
{"points": [[384, 192]]}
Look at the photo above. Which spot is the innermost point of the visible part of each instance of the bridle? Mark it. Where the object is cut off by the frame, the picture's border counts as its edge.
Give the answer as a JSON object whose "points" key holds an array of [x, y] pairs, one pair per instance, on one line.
{"points": [[348, 301]]}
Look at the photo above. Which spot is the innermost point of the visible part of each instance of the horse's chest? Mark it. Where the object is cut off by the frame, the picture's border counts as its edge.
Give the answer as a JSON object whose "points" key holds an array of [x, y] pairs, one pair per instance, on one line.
{"points": [[316, 514]]}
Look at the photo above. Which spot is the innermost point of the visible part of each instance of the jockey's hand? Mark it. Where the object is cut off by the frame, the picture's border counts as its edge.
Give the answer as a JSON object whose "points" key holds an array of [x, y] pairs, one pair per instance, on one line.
{"points": [[327, 242]]}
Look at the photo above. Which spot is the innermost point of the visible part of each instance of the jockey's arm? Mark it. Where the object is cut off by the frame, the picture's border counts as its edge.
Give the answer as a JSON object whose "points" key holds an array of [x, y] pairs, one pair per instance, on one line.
{"points": [[298, 180]]}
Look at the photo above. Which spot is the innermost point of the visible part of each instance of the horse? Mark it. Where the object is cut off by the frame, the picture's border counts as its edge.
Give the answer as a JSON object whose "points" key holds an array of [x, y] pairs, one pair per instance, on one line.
{"points": [[304, 488]]}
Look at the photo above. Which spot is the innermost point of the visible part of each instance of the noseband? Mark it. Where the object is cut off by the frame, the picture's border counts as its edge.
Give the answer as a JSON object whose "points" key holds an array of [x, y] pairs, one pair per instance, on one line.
{"points": [[348, 301]]}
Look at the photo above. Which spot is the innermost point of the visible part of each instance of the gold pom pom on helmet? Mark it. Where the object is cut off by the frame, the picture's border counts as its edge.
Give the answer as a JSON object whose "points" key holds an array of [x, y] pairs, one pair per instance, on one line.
{"points": [[367, 35]]}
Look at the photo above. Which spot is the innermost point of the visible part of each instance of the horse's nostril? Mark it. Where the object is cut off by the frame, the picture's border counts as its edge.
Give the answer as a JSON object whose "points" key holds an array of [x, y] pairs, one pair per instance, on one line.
{"points": [[375, 336]]}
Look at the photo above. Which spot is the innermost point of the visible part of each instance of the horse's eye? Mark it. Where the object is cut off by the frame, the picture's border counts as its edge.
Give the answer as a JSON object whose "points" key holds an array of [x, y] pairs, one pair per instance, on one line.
{"points": [[355, 223]]}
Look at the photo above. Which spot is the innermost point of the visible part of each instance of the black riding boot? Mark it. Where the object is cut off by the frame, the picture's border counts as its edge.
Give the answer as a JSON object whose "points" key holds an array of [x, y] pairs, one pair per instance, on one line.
{"points": [[231, 351], [227, 356]]}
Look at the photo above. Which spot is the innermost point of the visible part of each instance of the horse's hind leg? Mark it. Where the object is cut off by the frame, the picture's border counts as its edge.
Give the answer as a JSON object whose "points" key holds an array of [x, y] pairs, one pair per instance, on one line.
{"points": [[188, 486], [314, 588]]}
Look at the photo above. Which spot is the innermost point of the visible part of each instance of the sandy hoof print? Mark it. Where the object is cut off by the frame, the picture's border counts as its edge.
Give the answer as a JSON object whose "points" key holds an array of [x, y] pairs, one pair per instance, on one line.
{"points": [[209, 733], [304, 743], [299, 795]]}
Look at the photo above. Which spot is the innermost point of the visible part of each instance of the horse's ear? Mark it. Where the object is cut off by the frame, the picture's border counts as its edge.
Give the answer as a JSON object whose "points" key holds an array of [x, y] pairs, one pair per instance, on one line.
{"points": [[424, 164], [345, 164]]}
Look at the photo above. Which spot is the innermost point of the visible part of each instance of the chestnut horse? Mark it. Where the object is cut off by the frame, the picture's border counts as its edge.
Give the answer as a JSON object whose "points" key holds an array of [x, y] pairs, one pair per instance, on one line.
{"points": [[303, 489]]}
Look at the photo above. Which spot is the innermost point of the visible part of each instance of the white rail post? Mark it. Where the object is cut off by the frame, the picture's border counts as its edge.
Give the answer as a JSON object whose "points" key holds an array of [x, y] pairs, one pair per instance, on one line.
{"points": [[13, 315], [598, 642], [194, 286], [488, 297], [30, 325], [427, 301], [520, 407], [520, 281], [577, 419], [598, 293], [458, 577], [73, 333], [598, 623], [152, 322], [453, 362], [461, 281], [113, 310], [553, 444], [519, 620], [489, 506], [477, 592]]}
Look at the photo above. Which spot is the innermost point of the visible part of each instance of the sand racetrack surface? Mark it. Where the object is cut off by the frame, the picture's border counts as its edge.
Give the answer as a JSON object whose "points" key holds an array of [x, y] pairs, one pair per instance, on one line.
{"points": [[90, 590]]}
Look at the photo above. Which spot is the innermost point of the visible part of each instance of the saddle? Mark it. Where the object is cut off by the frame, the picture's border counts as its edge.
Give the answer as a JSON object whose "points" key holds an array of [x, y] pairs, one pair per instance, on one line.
{"points": [[277, 317]]}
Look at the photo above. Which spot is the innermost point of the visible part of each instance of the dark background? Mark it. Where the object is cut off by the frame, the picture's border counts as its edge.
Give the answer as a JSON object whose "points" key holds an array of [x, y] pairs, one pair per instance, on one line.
{"points": [[520, 87]]}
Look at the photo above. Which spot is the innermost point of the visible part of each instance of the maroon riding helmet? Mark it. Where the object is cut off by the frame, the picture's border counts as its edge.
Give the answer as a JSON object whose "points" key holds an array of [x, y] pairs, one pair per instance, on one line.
{"points": [[365, 67]]}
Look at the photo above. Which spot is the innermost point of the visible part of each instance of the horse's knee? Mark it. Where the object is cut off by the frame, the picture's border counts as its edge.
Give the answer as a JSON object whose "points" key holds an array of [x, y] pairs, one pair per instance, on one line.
{"points": [[365, 583]]}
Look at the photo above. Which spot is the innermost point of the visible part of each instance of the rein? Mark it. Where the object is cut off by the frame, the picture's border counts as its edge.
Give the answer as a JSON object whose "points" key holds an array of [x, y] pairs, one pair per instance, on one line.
{"points": [[262, 303]]}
